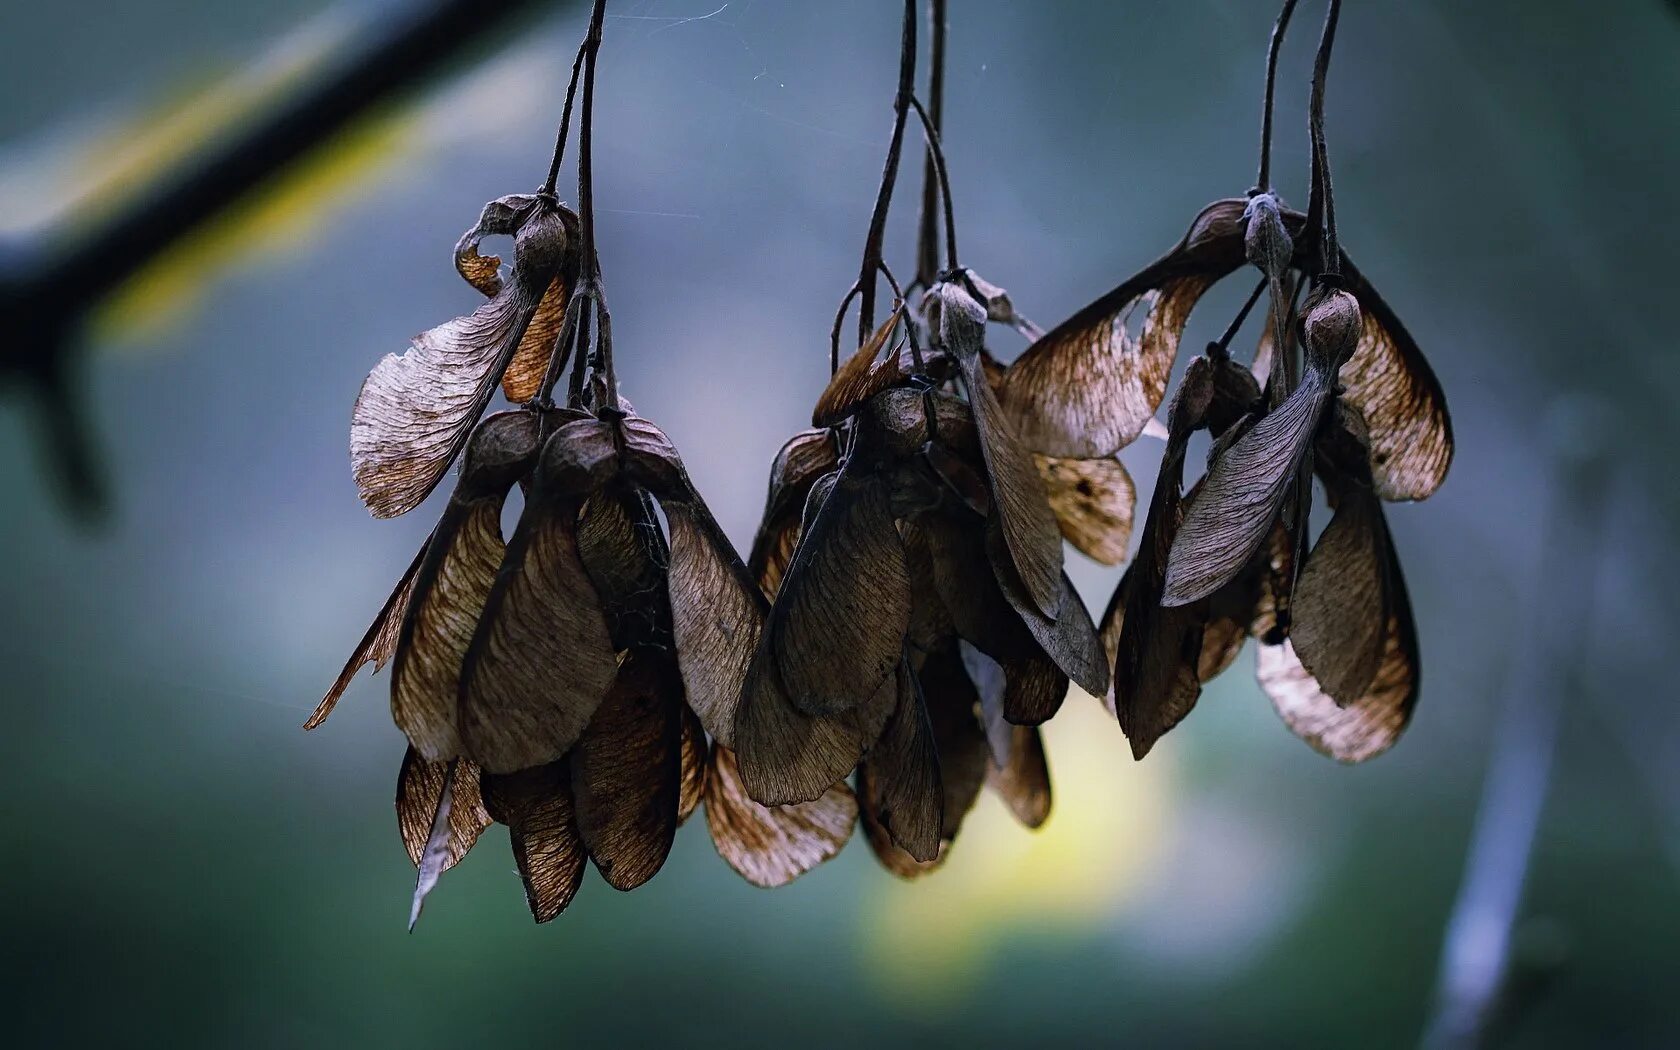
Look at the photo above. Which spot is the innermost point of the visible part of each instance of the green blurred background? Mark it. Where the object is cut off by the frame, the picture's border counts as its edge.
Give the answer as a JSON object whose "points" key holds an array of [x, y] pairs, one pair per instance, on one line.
{"points": [[185, 867]]}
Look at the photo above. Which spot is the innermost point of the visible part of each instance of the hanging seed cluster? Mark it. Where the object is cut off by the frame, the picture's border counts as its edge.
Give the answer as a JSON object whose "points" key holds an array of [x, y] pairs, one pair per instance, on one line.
{"points": [[903, 623]]}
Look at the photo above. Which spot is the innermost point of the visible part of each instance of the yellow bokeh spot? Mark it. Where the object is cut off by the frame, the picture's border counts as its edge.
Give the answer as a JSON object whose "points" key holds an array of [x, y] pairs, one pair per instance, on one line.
{"points": [[926, 941]]}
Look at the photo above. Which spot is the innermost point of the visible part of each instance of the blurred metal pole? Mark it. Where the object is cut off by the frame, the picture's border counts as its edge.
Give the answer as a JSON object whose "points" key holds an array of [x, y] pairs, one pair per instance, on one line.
{"points": [[43, 297], [1475, 958]]}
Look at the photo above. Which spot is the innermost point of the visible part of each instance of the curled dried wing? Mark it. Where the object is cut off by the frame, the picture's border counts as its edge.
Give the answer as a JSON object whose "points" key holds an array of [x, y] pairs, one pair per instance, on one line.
{"points": [[542, 658], [1089, 387], [377, 646], [717, 615], [859, 377], [1019, 501], [1347, 732], [899, 784], [786, 756], [415, 411], [773, 845], [1093, 500], [1389, 380], [1241, 496], [838, 625], [448, 597], [536, 805], [627, 771], [420, 787], [695, 762], [1024, 782], [1338, 618]]}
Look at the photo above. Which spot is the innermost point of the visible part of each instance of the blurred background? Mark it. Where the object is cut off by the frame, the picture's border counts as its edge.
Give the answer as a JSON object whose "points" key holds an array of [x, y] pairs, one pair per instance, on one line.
{"points": [[186, 867]]}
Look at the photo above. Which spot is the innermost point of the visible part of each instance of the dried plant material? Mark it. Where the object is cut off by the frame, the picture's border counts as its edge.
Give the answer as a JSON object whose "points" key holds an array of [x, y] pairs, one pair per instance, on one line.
{"points": [[786, 756], [1009, 630], [649, 458], [1268, 365], [806, 456], [1230, 614], [536, 806], [627, 771], [953, 708], [773, 845], [899, 416], [414, 412], [1390, 382], [541, 659], [522, 379], [437, 853], [1158, 648], [377, 646], [717, 615], [889, 853], [437, 832], [1069, 640], [1369, 725], [1024, 782], [1241, 497], [450, 588], [1092, 500], [695, 762], [859, 377], [624, 554], [1274, 585], [1246, 487], [419, 789], [1019, 503], [838, 624], [990, 685], [1000, 309], [1087, 389], [901, 790], [1338, 621]]}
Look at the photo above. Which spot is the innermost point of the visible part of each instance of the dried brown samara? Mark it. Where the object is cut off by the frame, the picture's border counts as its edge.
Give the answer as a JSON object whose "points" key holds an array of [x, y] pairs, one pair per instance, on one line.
{"points": [[1347, 400], [1088, 387], [891, 541]]}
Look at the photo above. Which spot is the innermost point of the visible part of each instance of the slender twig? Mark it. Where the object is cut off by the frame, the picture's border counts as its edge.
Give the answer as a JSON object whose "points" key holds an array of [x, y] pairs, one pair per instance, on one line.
{"points": [[591, 275], [565, 121], [1322, 207], [1476, 952], [1222, 348], [873, 243], [927, 232], [1263, 184], [938, 155]]}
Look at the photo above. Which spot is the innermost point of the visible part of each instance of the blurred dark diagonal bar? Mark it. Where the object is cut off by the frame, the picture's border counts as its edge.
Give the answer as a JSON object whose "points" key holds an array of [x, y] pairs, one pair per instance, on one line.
{"points": [[43, 303]]}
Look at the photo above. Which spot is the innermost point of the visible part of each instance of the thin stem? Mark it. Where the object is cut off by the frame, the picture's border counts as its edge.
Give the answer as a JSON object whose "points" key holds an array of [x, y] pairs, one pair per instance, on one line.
{"points": [[563, 345], [574, 392], [586, 181], [1322, 207], [1263, 184], [1223, 346], [839, 322], [938, 156], [927, 233], [565, 123], [603, 356], [872, 245], [574, 333]]}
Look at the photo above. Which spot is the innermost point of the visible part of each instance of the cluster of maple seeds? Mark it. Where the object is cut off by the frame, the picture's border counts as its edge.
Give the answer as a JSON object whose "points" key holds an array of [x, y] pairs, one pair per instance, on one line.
{"points": [[903, 624]]}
